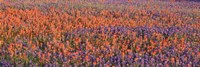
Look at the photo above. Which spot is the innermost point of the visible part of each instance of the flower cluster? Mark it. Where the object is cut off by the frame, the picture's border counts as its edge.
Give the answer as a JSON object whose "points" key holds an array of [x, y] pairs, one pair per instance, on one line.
{"points": [[59, 33]]}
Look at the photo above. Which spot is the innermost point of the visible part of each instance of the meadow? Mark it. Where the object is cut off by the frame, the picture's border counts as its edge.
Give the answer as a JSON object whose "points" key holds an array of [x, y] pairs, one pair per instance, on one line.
{"points": [[99, 33]]}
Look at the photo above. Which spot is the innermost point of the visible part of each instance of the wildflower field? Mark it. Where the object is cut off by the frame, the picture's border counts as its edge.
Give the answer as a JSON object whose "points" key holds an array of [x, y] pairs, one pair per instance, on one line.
{"points": [[99, 33]]}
